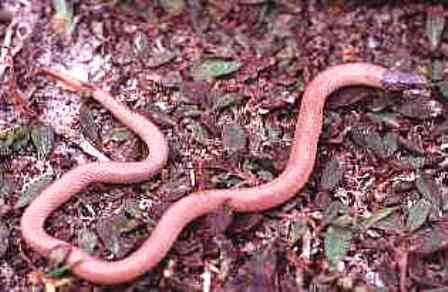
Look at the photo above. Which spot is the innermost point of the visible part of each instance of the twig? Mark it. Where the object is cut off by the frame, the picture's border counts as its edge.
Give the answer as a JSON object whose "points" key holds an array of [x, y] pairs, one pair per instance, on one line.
{"points": [[5, 54]]}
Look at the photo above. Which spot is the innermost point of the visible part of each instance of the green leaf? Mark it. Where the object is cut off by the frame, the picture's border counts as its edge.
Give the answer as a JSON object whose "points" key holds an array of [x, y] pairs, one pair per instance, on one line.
{"points": [[337, 244], [215, 67], [378, 216], [332, 212], [4, 239], [435, 25], [89, 128], [392, 222], [343, 221], [226, 100], [443, 87], [63, 9], [13, 140], [297, 230], [437, 70], [42, 137], [59, 272], [418, 214], [428, 187], [20, 137], [199, 133], [173, 7]]}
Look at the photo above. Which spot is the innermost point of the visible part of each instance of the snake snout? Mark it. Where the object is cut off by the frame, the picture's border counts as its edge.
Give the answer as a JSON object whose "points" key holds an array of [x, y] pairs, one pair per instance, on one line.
{"points": [[400, 80]]}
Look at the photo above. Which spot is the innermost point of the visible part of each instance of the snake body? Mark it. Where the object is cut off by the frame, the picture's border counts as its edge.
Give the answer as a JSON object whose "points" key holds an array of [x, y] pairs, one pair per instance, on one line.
{"points": [[181, 213]]}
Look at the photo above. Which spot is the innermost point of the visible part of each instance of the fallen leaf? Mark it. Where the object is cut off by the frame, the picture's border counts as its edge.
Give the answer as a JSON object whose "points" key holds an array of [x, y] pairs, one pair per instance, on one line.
{"points": [[227, 100], [89, 128], [160, 59], [42, 137], [337, 243], [389, 119], [198, 132], [195, 92], [298, 228], [234, 138], [121, 134], [87, 240], [4, 239], [443, 87], [428, 187], [437, 70], [14, 140], [59, 255], [214, 67], [432, 239], [418, 214], [332, 174], [378, 216], [421, 108], [173, 7], [110, 231], [33, 190], [435, 25], [369, 138]]}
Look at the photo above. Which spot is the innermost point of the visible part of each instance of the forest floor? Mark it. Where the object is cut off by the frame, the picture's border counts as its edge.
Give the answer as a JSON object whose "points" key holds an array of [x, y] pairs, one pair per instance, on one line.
{"points": [[224, 81]]}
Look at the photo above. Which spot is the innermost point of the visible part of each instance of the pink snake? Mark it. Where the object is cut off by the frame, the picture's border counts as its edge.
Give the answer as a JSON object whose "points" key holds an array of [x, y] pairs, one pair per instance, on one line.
{"points": [[259, 198]]}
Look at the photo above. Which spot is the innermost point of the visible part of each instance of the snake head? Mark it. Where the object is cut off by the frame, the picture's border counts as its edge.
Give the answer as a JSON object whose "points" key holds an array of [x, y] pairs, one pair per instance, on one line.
{"points": [[398, 80]]}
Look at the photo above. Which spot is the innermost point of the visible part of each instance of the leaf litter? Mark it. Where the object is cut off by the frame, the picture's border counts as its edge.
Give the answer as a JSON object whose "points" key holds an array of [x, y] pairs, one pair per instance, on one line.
{"points": [[239, 72]]}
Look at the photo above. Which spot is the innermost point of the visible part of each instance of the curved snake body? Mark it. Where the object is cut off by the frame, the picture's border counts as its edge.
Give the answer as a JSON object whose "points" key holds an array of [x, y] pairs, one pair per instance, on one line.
{"points": [[259, 198]]}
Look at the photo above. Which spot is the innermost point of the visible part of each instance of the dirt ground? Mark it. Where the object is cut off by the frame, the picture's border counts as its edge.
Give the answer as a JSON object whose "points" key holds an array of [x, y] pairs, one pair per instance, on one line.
{"points": [[224, 80]]}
